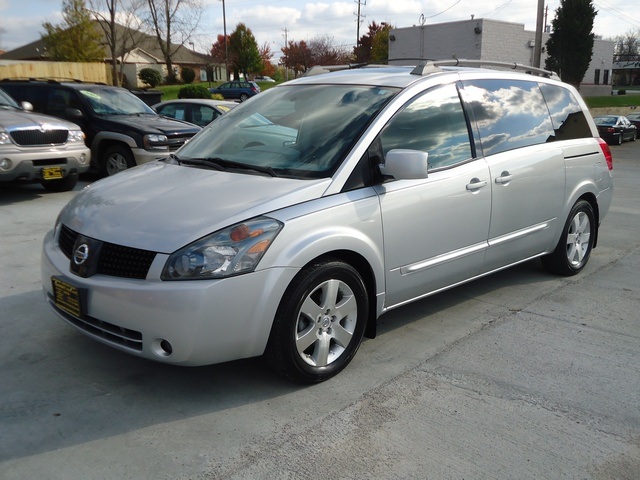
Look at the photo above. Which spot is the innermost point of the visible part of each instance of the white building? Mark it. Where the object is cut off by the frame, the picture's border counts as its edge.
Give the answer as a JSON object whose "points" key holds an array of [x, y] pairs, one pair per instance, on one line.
{"points": [[483, 39]]}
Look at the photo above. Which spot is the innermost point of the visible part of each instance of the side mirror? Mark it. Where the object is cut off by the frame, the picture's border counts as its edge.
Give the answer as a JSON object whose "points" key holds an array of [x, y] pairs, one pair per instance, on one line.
{"points": [[26, 106], [406, 164], [73, 113]]}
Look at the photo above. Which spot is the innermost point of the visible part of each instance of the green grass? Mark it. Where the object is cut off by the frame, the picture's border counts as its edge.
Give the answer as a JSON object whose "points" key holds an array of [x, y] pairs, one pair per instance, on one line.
{"points": [[170, 92], [613, 101]]}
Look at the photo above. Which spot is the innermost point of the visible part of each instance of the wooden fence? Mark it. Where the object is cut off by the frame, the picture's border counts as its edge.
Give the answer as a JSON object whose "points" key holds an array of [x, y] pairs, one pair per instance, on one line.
{"points": [[86, 72]]}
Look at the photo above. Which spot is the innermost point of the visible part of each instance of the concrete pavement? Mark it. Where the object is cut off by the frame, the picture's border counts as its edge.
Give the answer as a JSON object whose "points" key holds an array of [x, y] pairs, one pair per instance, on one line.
{"points": [[518, 375]]}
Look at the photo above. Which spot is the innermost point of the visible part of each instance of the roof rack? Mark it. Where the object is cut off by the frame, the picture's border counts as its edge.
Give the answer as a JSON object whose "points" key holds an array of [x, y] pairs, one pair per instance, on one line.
{"points": [[432, 66], [320, 69], [42, 79]]}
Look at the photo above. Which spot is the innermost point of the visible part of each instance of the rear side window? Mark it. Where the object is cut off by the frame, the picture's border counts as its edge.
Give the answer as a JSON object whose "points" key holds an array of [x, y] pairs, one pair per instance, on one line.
{"points": [[434, 123], [568, 118], [509, 114]]}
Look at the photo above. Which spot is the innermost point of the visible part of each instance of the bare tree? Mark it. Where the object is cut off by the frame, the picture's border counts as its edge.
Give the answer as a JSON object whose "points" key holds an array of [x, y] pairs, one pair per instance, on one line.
{"points": [[173, 23], [119, 21], [627, 47]]}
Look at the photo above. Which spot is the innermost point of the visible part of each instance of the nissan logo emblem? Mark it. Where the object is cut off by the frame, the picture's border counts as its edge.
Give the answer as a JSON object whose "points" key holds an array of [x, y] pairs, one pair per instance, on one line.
{"points": [[81, 254]]}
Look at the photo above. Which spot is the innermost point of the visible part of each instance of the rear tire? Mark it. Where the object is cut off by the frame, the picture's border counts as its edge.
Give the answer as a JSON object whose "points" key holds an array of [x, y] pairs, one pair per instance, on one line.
{"points": [[116, 159], [320, 322], [243, 97], [575, 245]]}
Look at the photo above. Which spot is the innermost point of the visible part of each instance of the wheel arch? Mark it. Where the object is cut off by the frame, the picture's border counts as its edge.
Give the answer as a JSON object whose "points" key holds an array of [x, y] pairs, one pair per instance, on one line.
{"points": [[104, 140], [364, 269], [591, 198]]}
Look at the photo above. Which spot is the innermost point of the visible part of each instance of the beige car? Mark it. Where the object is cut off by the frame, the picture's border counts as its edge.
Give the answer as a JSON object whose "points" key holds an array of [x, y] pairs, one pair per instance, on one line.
{"points": [[39, 148]]}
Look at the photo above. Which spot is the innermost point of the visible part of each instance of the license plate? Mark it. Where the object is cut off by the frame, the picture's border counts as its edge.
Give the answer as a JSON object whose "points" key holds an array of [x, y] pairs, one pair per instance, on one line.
{"points": [[52, 173], [67, 297]]}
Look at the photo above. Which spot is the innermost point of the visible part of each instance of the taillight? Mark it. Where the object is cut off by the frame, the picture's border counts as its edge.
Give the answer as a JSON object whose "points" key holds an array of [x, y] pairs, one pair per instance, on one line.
{"points": [[606, 152]]}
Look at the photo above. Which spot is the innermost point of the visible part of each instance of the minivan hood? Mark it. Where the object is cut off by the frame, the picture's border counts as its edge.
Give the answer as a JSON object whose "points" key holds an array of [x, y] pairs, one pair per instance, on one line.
{"points": [[162, 207], [149, 123]]}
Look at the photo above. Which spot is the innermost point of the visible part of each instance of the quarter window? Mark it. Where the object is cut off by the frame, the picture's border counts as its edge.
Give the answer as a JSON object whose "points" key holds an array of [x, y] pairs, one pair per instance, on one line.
{"points": [[434, 123], [567, 116], [509, 114]]}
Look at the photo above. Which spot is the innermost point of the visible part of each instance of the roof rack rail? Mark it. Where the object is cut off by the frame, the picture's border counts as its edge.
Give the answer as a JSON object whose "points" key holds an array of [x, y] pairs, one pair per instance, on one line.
{"points": [[320, 69], [42, 79], [432, 66]]}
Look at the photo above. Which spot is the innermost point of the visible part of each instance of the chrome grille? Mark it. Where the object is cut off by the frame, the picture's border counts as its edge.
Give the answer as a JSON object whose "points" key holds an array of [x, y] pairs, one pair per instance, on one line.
{"points": [[176, 141], [33, 137], [115, 260]]}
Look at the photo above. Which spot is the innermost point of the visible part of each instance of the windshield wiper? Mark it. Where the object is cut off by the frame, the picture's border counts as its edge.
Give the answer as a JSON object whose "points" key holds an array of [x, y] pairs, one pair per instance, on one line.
{"points": [[221, 164]]}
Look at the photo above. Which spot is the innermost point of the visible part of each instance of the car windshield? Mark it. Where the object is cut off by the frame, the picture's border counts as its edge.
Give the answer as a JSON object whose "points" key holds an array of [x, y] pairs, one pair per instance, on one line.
{"points": [[114, 101], [605, 120], [302, 131], [7, 102]]}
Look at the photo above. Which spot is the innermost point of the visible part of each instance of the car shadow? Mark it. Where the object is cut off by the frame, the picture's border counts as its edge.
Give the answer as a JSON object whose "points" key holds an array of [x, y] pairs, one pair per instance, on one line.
{"points": [[72, 389]]}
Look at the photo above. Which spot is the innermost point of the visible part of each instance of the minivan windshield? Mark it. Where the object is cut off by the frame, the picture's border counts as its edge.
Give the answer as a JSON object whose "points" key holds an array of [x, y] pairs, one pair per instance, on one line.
{"points": [[114, 101], [292, 130]]}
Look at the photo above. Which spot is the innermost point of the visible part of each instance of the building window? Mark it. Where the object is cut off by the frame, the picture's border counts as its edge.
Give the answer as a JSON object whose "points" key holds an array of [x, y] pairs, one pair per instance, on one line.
{"points": [[605, 80], [596, 80]]}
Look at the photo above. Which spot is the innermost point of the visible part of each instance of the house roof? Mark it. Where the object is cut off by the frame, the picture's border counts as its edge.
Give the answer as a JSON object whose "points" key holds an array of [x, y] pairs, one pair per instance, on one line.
{"points": [[137, 41]]}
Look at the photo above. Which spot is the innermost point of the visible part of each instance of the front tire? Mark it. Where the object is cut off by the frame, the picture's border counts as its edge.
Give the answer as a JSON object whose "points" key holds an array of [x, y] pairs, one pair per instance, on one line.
{"points": [[575, 245], [116, 159], [320, 322], [61, 185]]}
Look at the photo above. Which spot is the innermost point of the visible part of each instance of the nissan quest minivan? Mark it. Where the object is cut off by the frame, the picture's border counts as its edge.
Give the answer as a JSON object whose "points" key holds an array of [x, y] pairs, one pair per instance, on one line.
{"points": [[289, 225]]}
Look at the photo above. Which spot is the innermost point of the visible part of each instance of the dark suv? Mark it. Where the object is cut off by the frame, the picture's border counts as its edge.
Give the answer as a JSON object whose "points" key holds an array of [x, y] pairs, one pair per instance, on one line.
{"points": [[121, 130]]}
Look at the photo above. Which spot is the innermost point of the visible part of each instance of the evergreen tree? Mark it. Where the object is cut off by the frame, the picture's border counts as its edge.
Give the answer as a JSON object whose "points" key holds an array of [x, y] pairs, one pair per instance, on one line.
{"points": [[570, 45], [244, 54], [75, 39]]}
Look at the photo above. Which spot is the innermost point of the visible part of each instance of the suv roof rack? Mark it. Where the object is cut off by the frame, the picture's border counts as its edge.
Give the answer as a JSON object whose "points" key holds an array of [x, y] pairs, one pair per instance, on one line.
{"points": [[51, 80], [432, 66]]}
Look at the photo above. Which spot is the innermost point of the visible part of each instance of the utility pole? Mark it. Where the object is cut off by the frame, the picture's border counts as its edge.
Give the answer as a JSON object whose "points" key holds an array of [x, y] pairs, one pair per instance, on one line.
{"points": [[360, 3], [226, 47], [286, 45], [537, 47]]}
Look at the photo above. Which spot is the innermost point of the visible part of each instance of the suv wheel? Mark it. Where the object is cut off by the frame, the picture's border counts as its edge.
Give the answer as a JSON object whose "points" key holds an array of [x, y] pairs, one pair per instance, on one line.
{"points": [[243, 97], [116, 159]]}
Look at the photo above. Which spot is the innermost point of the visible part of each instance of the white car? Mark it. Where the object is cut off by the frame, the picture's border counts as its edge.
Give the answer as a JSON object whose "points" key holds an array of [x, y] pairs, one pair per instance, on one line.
{"points": [[198, 111], [361, 191]]}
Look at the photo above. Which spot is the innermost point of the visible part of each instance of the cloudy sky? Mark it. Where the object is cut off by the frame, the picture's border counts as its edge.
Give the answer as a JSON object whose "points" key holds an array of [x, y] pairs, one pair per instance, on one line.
{"points": [[270, 20]]}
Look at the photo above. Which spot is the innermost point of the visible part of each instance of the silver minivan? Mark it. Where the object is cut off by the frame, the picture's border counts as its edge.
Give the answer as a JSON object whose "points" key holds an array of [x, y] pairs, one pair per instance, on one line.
{"points": [[356, 192]]}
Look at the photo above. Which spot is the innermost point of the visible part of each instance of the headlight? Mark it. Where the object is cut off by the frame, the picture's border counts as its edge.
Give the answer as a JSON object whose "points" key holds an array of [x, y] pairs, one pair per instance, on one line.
{"points": [[231, 251], [4, 138], [75, 136], [154, 141]]}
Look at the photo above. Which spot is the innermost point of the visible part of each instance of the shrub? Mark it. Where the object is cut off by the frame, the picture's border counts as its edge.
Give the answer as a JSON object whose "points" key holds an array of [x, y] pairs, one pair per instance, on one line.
{"points": [[187, 74], [150, 76], [622, 92], [217, 96], [194, 91]]}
